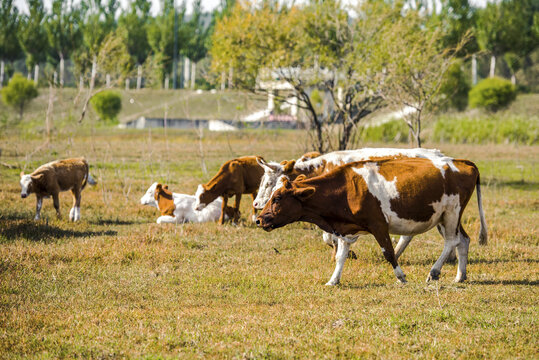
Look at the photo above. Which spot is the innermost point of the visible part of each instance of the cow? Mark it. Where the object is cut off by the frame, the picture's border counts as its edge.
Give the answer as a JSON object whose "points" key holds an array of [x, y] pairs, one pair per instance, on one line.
{"points": [[317, 165], [235, 178], [179, 208], [398, 196], [52, 178]]}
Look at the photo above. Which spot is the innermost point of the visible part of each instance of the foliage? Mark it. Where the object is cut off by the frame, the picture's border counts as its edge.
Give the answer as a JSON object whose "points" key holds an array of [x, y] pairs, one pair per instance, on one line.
{"points": [[63, 28], [18, 92], [9, 23], [454, 88], [32, 35], [394, 131], [492, 94], [135, 22], [107, 104], [491, 129]]}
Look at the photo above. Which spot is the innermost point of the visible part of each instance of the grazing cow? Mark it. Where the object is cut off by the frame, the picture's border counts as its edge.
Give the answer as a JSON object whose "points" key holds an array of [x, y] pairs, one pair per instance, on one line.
{"points": [[317, 165], [51, 178], [234, 178], [402, 196], [179, 208]]}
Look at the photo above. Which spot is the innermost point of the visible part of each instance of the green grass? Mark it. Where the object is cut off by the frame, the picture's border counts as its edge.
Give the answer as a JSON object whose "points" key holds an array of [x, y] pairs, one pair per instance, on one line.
{"points": [[118, 285]]}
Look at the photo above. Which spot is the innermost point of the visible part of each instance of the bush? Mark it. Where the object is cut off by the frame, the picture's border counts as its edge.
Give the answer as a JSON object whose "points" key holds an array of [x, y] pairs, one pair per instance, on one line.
{"points": [[455, 88], [107, 105], [492, 94], [18, 92], [391, 131]]}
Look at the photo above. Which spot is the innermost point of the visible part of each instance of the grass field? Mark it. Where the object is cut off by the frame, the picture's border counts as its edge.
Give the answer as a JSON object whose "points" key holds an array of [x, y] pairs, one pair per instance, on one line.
{"points": [[117, 285]]}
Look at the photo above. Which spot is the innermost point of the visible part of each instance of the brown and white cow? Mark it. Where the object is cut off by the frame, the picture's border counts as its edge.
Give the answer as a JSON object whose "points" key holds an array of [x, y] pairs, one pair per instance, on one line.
{"points": [[52, 178], [316, 164], [235, 178], [397, 196]]}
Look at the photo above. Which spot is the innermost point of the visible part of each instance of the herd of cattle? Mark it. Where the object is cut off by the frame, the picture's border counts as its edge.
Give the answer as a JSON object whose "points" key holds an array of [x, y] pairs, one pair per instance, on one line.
{"points": [[374, 191]]}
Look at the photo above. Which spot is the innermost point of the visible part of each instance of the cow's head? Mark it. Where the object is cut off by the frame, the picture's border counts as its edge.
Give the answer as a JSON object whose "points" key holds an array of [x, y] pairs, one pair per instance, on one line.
{"points": [[285, 205], [270, 180], [202, 198], [27, 183], [150, 197]]}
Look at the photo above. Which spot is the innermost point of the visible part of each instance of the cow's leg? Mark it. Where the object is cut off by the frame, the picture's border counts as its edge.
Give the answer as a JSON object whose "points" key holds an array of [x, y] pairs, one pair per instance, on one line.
{"points": [[450, 231], [342, 253], [462, 251], [166, 219], [74, 213], [223, 210], [452, 256], [39, 203], [383, 239], [56, 203], [253, 217], [237, 208], [331, 241], [404, 240]]}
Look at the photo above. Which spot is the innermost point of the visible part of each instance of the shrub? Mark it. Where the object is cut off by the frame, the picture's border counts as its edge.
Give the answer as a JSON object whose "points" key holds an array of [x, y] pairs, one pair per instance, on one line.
{"points": [[107, 104], [454, 90], [391, 131], [18, 92], [492, 94]]}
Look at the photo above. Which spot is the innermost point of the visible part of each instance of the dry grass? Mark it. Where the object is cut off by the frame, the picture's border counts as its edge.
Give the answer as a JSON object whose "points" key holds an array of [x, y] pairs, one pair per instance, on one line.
{"points": [[118, 285]]}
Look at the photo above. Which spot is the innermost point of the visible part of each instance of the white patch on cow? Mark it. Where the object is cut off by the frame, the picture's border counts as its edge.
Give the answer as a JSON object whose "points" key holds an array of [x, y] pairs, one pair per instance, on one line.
{"points": [[149, 196], [25, 182], [39, 204], [198, 205], [267, 184], [72, 214], [385, 191], [383, 250]]}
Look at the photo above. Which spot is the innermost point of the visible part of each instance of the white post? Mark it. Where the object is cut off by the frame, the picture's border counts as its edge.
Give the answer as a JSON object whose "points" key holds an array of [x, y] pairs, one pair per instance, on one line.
{"points": [[193, 74], [1, 73], [139, 77], [108, 80], [186, 72], [166, 82], [271, 102], [294, 106], [55, 78], [61, 72], [513, 79], [29, 76], [81, 82], [492, 65], [223, 80], [340, 96], [94, 72], [36, 74], [127, 84], [231, 78], [474, 69]]}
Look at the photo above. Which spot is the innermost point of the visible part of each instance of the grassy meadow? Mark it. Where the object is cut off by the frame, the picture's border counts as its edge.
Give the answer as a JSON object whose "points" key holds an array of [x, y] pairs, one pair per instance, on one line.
{"points": [[117, 285]]}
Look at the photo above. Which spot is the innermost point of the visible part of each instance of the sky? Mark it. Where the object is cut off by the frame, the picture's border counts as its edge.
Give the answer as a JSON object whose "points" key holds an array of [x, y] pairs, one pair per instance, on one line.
{"points": [[207, 5]]}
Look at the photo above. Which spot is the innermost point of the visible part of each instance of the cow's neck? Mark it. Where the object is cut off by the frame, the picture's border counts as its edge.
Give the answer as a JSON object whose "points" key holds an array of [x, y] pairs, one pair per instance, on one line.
{"points": [[165, 203]]}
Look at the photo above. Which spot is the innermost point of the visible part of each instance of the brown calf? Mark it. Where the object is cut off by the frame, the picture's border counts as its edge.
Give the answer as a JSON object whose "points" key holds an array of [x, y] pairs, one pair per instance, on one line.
{"points": [[403, 196], [234, 178], [52, 178]]}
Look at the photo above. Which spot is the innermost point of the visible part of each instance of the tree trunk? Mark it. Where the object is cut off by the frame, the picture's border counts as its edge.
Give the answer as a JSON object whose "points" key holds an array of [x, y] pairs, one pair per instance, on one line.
{"points": [[474, 69], [127, 84], [492, 65], [223, 80], [513, 79], [186, 72], [2, 74], [36, 75], [61, 70], [139, 77], [193, 74], [94, 73], [231, 78]]}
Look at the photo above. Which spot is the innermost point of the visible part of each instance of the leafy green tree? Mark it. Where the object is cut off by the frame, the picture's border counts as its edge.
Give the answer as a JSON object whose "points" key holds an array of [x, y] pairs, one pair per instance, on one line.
{"points": [[9, 44], [457, 19], [135, 22], [18, 92], [64, 31], [197, 33], [32, 34]]}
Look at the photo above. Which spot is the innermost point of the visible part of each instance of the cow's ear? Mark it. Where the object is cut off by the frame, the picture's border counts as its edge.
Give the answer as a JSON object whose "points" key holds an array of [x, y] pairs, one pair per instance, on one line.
{"points": [[304, 193], [38, 177], [158, 189], [286, 182], [165, 187], [289, 166], [301, 177], [22, 174], [260, 160]]}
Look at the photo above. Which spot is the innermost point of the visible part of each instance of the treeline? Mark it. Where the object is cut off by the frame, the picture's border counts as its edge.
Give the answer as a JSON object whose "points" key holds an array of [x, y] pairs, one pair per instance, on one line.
{"points": [[98, 37]]}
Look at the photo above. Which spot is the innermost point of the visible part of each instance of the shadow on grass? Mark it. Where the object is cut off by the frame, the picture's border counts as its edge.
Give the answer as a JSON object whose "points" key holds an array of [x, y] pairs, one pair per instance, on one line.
{"points": [[35, 231], [505, 282], [501, 261], [515, 184], [113, 222]]}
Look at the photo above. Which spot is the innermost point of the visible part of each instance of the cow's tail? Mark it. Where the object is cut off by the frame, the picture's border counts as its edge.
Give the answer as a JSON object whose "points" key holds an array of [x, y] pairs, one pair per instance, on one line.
{"points": [[88, 179], [483, 238]]}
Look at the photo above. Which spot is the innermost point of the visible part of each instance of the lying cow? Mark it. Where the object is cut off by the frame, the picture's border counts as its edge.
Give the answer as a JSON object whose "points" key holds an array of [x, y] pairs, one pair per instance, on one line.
{"points": [[52, 178], [311, 166], [179, 208], [403, 196], [235, 178]]}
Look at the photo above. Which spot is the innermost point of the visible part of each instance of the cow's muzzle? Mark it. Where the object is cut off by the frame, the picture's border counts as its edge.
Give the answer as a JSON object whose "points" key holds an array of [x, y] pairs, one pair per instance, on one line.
{"points": [[24, 195], [264, 224]]}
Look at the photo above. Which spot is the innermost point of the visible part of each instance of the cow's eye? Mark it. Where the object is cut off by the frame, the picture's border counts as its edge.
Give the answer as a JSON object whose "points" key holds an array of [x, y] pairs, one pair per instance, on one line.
{"points": [[277, 199]]}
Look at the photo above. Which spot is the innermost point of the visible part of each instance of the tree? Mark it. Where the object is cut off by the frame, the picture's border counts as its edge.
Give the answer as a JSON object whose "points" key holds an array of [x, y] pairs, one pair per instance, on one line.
{"points": [[135, 22], [9, 44], [197, 33], [317, 47], [32, 36], [64, 31], [18, 92]]}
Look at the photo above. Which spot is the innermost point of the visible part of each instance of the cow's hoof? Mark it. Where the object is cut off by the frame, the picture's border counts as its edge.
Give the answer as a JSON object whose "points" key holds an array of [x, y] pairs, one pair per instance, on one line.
{"points": [[433, 275], [331, 283], [460, 278], [401, 281], [352, 255]]}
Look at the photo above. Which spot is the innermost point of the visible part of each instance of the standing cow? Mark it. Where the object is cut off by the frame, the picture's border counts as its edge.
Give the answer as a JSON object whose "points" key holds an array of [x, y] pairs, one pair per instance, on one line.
{"points": [[52, 178], [403, 196], [316, 165], [235, 178]]}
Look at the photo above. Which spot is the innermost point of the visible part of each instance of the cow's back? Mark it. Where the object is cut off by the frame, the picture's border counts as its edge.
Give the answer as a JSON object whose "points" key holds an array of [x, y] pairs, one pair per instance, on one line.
{"points": [[252, 173], [70, 172]]}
